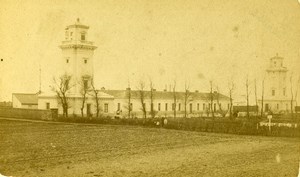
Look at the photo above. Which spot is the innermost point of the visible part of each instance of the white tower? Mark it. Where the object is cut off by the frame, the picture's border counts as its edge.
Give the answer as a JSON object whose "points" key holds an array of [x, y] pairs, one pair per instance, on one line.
{"points": [[276, 98], [78, 54]]}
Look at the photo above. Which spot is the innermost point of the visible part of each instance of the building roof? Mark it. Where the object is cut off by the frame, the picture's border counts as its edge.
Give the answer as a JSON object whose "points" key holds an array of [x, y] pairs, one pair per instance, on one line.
{"points": [[27, 98], [135, 94]]}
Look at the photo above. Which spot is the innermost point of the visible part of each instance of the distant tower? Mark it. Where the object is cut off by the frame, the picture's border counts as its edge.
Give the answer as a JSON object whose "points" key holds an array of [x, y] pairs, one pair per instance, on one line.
{"points": [[276, 98], [78, 54]]}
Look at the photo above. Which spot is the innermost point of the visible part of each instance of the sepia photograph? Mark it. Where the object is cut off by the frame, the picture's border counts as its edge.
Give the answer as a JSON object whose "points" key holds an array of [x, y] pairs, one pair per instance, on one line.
{"points": [[149, 88]]}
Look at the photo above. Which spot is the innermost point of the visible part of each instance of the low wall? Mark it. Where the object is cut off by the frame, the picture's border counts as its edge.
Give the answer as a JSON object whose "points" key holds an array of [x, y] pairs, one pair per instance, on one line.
{"points": [[34, 114]]}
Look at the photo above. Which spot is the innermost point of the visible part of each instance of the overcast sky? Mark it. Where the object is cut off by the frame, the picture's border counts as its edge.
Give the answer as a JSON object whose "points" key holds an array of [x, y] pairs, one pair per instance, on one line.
{"points": [[190, 40]]}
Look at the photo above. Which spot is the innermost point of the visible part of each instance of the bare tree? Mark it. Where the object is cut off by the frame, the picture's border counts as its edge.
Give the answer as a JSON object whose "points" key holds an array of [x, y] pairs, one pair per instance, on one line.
{"points": [[296, 95], [256, 100], [187, 95], [96, 98], [61, 87], [128, 107], [211, 99], [262, 97], [142, 96], [84, 92], [152, 111], [292, 95], [174, 98], [221, 111], [231, 87], [247, 96]]}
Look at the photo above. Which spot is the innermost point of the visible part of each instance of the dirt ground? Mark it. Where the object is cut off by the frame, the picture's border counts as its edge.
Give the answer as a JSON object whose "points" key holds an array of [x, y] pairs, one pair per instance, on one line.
{"points": [[57, 149]]}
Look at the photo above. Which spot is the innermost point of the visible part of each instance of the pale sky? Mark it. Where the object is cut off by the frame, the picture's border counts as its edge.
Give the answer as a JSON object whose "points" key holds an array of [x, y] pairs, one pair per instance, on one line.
{"points": [[189, 40]]}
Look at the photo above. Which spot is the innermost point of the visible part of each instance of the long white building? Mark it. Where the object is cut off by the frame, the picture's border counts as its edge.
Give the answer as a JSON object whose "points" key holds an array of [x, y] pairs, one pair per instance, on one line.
{"points": [[77, 56]]}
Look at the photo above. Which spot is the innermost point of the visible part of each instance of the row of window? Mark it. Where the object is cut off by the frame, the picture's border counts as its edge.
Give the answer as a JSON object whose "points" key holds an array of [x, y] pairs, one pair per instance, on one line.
{"points": [[85, 60], [82, 36], [268, 107], [273, 92], [178, 106], [88, 107]]}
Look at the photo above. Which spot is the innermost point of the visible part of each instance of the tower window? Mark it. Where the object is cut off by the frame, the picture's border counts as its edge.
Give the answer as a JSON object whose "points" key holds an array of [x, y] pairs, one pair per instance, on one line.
{"points": [[67, 35], [67, 60], [85, 60], [273, 92], [82, 36]]}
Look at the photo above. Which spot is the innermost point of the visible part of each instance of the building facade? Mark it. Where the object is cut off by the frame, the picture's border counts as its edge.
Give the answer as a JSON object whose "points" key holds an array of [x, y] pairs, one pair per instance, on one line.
{"points": [[276, 95], [193, 104]]}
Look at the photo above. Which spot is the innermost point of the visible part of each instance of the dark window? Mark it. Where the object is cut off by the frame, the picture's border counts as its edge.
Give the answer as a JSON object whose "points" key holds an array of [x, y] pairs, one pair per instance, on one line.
{"points": [[215, 106], [85, 61], [203, 106], [166, 107], [283, 91], [179, 107], [106, 107], [266, 107], [119, 106], [191, 107], [173, 106], [47, 105], [198, 106], [273, 92], [158, 106], [67, 60], [131, 106], [82, 37]]}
